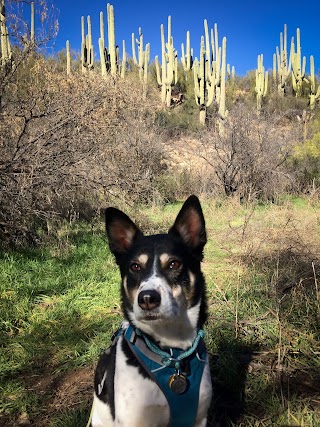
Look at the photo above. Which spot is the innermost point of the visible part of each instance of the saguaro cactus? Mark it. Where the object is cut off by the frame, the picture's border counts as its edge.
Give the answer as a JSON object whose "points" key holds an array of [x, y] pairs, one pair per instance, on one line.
{"points": [[284, 65], [32, 37], [143, 56], [222, 101], [169, 67], [104, 55], [111, 40], [204, 87], [145, 70], [68, 55], [110, 57], [87, 53], [261, 82], [231, 72], [298, 66], [186, 58], [314, 92], [210, 73], [6, 54], [122, 67]]}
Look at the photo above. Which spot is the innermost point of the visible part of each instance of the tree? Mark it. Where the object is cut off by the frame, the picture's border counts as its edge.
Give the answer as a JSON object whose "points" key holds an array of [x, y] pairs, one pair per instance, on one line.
{"points": [[249, 157]]}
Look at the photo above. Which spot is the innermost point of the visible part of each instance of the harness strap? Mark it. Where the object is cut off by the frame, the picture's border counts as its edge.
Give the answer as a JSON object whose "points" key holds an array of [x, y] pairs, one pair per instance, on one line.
{"points": [[183, 407], [141, 345]]}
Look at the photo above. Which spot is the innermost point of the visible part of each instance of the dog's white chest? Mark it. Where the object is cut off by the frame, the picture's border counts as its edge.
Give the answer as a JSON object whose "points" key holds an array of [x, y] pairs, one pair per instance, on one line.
{"points": [[137, 399], [139, 402]]}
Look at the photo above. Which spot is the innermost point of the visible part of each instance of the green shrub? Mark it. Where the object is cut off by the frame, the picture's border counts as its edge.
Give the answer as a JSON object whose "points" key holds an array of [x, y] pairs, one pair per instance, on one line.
{"points": [[305, 160]]}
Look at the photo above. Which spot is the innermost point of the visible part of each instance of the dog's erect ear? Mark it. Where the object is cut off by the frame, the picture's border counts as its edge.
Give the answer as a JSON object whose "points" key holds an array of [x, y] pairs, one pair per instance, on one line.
{"points": [[190, 224], [121, 231]]}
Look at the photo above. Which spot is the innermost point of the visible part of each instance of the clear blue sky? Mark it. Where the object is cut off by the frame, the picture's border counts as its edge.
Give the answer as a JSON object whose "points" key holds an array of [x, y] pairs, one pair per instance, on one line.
{"points": [[251, 27]]}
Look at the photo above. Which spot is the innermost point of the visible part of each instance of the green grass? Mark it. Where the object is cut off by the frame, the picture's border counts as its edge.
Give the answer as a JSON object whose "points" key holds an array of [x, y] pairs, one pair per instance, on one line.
{"points": [[59, 306]]}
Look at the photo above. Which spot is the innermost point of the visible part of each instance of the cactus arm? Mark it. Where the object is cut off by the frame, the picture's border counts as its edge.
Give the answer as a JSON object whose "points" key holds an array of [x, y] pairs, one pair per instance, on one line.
{"points": [[83, 45], [207, 43], [274, 68], [102, 36], [156, 61], [102, 57], [146, 63], [183, 57], [133, 46], [124, 60], [186, 58], [196, 80]]}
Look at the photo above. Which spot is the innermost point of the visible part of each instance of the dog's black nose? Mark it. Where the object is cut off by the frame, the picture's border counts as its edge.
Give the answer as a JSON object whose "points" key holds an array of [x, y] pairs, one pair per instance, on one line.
{"points": [[148, 300]]}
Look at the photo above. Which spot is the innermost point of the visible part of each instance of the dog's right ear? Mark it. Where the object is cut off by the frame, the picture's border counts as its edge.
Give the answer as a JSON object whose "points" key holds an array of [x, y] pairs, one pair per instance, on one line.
{"points": [[121, 231]]}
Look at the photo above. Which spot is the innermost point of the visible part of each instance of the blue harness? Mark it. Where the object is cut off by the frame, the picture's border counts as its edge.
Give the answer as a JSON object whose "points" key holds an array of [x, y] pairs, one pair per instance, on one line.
{"points": [[161, 366]]}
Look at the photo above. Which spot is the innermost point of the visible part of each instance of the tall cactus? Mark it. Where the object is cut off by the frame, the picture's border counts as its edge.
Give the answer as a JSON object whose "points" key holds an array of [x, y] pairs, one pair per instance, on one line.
{"points": [[314, 92], [215, 55], [283, 62], [186, 58], [222, 101], [298, 66], [210, 74], [110, 57], [111, 40], [261, 82], [204, 87], [231, 72], [68, 55], [104, 55], [87, 52], [6, 54], [274, 69], [32, 37], [143, 56], [123, 65], [169, 67]]}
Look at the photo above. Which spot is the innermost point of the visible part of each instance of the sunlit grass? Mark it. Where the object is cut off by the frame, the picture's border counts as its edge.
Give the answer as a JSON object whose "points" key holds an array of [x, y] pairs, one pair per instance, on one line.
{"points": [[59, 307]]}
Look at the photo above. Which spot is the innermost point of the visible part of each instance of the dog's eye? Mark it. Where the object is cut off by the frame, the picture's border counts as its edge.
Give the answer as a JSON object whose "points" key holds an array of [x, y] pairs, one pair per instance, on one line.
{"points": [[135, 267], [174, 264]]}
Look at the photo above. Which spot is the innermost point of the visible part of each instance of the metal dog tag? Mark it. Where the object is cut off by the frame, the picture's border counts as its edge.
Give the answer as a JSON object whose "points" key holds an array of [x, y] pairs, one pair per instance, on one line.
{"points": [[178, 383]]}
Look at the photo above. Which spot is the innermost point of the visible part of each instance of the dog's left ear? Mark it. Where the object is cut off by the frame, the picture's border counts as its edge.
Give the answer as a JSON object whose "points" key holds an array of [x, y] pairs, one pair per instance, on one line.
{"points": [[190, 224]]}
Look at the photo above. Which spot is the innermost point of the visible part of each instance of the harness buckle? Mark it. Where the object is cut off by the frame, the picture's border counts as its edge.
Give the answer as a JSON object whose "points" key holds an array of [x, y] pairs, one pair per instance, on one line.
{"points": [[171, 362]]}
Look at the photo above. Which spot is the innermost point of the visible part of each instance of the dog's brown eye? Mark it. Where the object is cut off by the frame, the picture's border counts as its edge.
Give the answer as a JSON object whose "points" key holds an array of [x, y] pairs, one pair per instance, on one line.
{"points": [[135, 267], [174, 264]]}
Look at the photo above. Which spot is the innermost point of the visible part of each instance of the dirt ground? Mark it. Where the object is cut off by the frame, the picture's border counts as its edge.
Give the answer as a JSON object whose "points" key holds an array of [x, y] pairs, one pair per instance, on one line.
{"points": [[61, 391]]}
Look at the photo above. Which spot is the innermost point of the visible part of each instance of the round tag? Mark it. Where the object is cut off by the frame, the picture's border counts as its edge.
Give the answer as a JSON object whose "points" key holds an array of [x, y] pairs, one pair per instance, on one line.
{"points": [[178, 383]]}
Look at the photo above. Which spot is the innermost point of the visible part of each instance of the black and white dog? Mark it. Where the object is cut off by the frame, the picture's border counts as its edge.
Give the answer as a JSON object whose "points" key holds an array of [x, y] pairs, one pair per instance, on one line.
{"points": [[156, 372]]}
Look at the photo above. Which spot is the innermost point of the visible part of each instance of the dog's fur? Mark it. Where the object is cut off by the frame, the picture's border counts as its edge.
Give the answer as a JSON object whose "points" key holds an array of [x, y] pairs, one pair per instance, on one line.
{"points": [[163, 294]]}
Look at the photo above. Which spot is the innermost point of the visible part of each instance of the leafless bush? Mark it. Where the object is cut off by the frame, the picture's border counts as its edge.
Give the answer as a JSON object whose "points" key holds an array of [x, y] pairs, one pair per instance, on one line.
{"points": [[248, 154], [66, 143]]}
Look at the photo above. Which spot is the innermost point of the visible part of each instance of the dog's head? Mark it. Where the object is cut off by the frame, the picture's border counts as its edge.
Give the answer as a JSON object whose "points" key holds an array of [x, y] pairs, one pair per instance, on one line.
{"points": [[162, 284]]}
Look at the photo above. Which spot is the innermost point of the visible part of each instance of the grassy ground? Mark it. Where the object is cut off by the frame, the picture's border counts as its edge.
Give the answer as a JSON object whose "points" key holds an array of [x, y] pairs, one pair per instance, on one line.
{"points": [[59, 306]]}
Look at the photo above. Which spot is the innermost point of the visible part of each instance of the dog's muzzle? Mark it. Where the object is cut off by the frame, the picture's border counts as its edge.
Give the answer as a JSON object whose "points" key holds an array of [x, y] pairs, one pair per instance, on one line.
{"points": [[149, 300]]}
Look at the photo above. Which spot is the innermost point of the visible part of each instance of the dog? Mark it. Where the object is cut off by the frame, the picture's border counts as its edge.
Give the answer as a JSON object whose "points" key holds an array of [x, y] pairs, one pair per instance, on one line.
{"points": [[156, 372]]}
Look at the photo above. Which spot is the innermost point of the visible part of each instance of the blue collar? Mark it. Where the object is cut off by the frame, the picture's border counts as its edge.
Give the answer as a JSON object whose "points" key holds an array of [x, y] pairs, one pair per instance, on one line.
{"points": [[162, 365]]}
